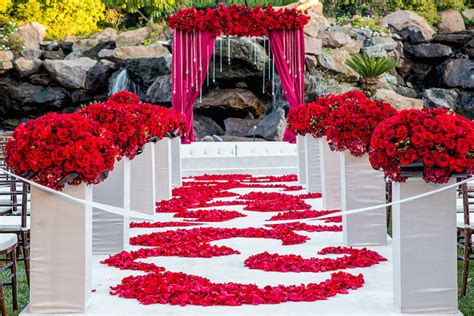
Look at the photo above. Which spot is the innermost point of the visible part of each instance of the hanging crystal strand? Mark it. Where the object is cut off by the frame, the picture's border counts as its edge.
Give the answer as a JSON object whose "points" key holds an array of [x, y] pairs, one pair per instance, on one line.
{"points": [[284, 45], [255, 51], [263, 72], [228, 49], [220, 43], [269, 60], [192, 60], [208, 72], [198, 55], [214, 64]]}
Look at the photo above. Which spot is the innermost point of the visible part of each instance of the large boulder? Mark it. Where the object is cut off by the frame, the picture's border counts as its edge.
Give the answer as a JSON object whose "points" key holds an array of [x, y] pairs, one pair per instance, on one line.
{"points": [[335, 60], [313, 46], [431, 50], [440, 98], [31, 34], [410, 26], [144, 71], [97, 77], [334, 39], [160, 91], [398, 101], [205, 126], [20, 100], [26, 67], [122, 54], [272, 126], [465, 104], [6, 63], [387, 43], [457, 39], [240, 127], [316, 24], [459, 73], [107, 35], [132, 38], [70, 73], [451, 21], [231, 101], [468, 14]]}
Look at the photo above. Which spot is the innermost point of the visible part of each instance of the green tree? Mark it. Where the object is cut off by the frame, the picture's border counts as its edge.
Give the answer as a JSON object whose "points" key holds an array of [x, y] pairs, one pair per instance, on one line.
{"points": [[148, 9]]}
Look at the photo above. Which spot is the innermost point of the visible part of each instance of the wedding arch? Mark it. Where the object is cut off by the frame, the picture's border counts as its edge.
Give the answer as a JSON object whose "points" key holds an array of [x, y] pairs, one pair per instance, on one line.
{"points": [[194, 38]]}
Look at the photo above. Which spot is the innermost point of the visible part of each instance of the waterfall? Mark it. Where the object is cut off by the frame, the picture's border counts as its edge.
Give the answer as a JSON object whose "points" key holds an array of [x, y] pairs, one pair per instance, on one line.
{"points": [[278, 98], [122, 82]]}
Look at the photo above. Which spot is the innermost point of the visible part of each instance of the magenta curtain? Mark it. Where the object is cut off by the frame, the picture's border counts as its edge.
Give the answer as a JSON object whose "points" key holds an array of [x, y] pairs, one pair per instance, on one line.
{"points": [[289, 57], [191, 56]]}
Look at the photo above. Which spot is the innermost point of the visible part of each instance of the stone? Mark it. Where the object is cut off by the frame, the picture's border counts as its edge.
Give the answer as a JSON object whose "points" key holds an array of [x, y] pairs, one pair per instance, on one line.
{"points": [[52, 54], [240, 127], [451, 21], [97, 77], [406, 91], [160, 91], [410, 26], [32, 34], [375, 51], [313, 46], [398, 101], [335, 39], [387, 43], [353, 47], [465, 104], [74, 55], [70, 73], [468, 14], [107, 35], [432, 50], [459, 73], [31, 54], [145, 70], [122, 54], [231, 101], [335, 60], [6, 55], [206, 126], [26, 67], [311, 63], [272, 126], [41, 79], [316, 24], [459, 38], [5, 66], [207, 138], [217, 139], [50, 45], [23, 99], [132, 38], [440, 98]]}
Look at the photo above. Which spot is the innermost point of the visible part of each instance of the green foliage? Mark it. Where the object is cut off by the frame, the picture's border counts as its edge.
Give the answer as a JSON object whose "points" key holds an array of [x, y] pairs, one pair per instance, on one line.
{"points": [[5, 5], [373, 23], [154, 9], [63, 17], [450, 5], [264, 3], [8, 40], [425, 8], [370, 66], [468, 22], [340, 8]]}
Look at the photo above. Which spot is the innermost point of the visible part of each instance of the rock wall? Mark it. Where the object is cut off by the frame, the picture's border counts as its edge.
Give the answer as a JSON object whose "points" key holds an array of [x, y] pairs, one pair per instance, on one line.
{"points": [[237, 102]]}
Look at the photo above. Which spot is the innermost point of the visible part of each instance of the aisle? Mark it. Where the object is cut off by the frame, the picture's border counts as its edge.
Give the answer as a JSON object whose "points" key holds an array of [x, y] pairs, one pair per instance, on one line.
{"points": [[374, 297]]}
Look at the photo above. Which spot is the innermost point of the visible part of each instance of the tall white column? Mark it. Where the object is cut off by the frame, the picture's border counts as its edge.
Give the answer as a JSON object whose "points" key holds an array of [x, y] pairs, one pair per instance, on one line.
{"points": [[301, 147], [313, 167], [176, 165], [330, 176], [163, 169], [142, 186]]}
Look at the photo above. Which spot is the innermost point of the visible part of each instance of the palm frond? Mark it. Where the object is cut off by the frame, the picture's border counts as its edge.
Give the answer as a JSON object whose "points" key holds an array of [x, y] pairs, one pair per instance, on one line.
{"points": [[370, 66]]}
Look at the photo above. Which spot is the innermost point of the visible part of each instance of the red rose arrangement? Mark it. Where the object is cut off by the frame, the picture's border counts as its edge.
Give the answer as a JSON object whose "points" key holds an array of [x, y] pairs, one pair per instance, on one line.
{"points": [[442, 141], [352, 121], [124, 97], [55, 146], [310, 118], [237, 20]]}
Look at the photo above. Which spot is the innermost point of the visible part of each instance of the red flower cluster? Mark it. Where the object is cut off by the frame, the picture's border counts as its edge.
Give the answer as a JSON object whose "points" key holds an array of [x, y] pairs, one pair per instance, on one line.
{"points": [[290, 203], [160, 224], [443, 142], [245, 178], [307, 214], [307, 228], [356, 258], [309, 118], [182, 289], [124, 97], [351, 123], [237, 20], [49, 148], [277, 196], [209, 215]]}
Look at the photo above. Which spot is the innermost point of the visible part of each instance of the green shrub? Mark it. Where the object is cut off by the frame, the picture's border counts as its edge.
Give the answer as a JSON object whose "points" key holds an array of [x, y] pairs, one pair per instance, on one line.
{"points": [[8, 40], [469, 22], [373, 23], [340, 8], [425, 8], [450, 5], [5, 5], [148, 9], [63, 17]]}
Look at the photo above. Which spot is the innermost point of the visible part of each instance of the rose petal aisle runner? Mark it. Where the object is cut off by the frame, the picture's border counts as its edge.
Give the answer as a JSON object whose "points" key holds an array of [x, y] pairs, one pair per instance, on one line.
{"points": [[214, 252]]}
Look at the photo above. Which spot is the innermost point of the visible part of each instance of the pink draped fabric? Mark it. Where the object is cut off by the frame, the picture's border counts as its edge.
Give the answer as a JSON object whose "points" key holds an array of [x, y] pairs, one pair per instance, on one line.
{"points": [[191, 56], [289, 57]]}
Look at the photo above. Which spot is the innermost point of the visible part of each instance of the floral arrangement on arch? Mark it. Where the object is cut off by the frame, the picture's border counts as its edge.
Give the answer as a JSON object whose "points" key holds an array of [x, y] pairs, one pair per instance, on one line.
{"points": [[58, 149], [442, 141], [352, 121], [237, 20]]}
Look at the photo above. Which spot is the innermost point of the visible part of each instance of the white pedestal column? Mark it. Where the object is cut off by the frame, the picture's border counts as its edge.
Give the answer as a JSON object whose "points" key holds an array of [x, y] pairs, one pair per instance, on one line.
{"points": [[313, 166], [330, 176], [301, 147], [163, 169], [424, 249], [176, 166], [362, 186], [110, 232], [142, 185], [61, 250]]}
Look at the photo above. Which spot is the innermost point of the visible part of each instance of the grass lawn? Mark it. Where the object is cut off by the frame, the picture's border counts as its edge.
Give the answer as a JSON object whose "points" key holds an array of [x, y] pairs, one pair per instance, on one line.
{"points": [[466, 303]]}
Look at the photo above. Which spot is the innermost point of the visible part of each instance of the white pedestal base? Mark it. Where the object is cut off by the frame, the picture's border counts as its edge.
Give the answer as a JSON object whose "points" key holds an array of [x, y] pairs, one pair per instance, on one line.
{"points": [[163, 169], [424, 249], [362, 186], [110, 232], [302, 162], [142, 186], [61, 251], [330, 176], [176, 166], [313, 164]]}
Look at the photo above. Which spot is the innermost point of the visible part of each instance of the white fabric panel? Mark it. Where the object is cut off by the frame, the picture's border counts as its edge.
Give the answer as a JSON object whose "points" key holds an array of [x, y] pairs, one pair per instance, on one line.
{"points": [[176, 165], [313, 164], [61, 251], [142, 177], [330, 176], [424, 249], [302, 166], [163, 169], [362, 186], [111, 231]]}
